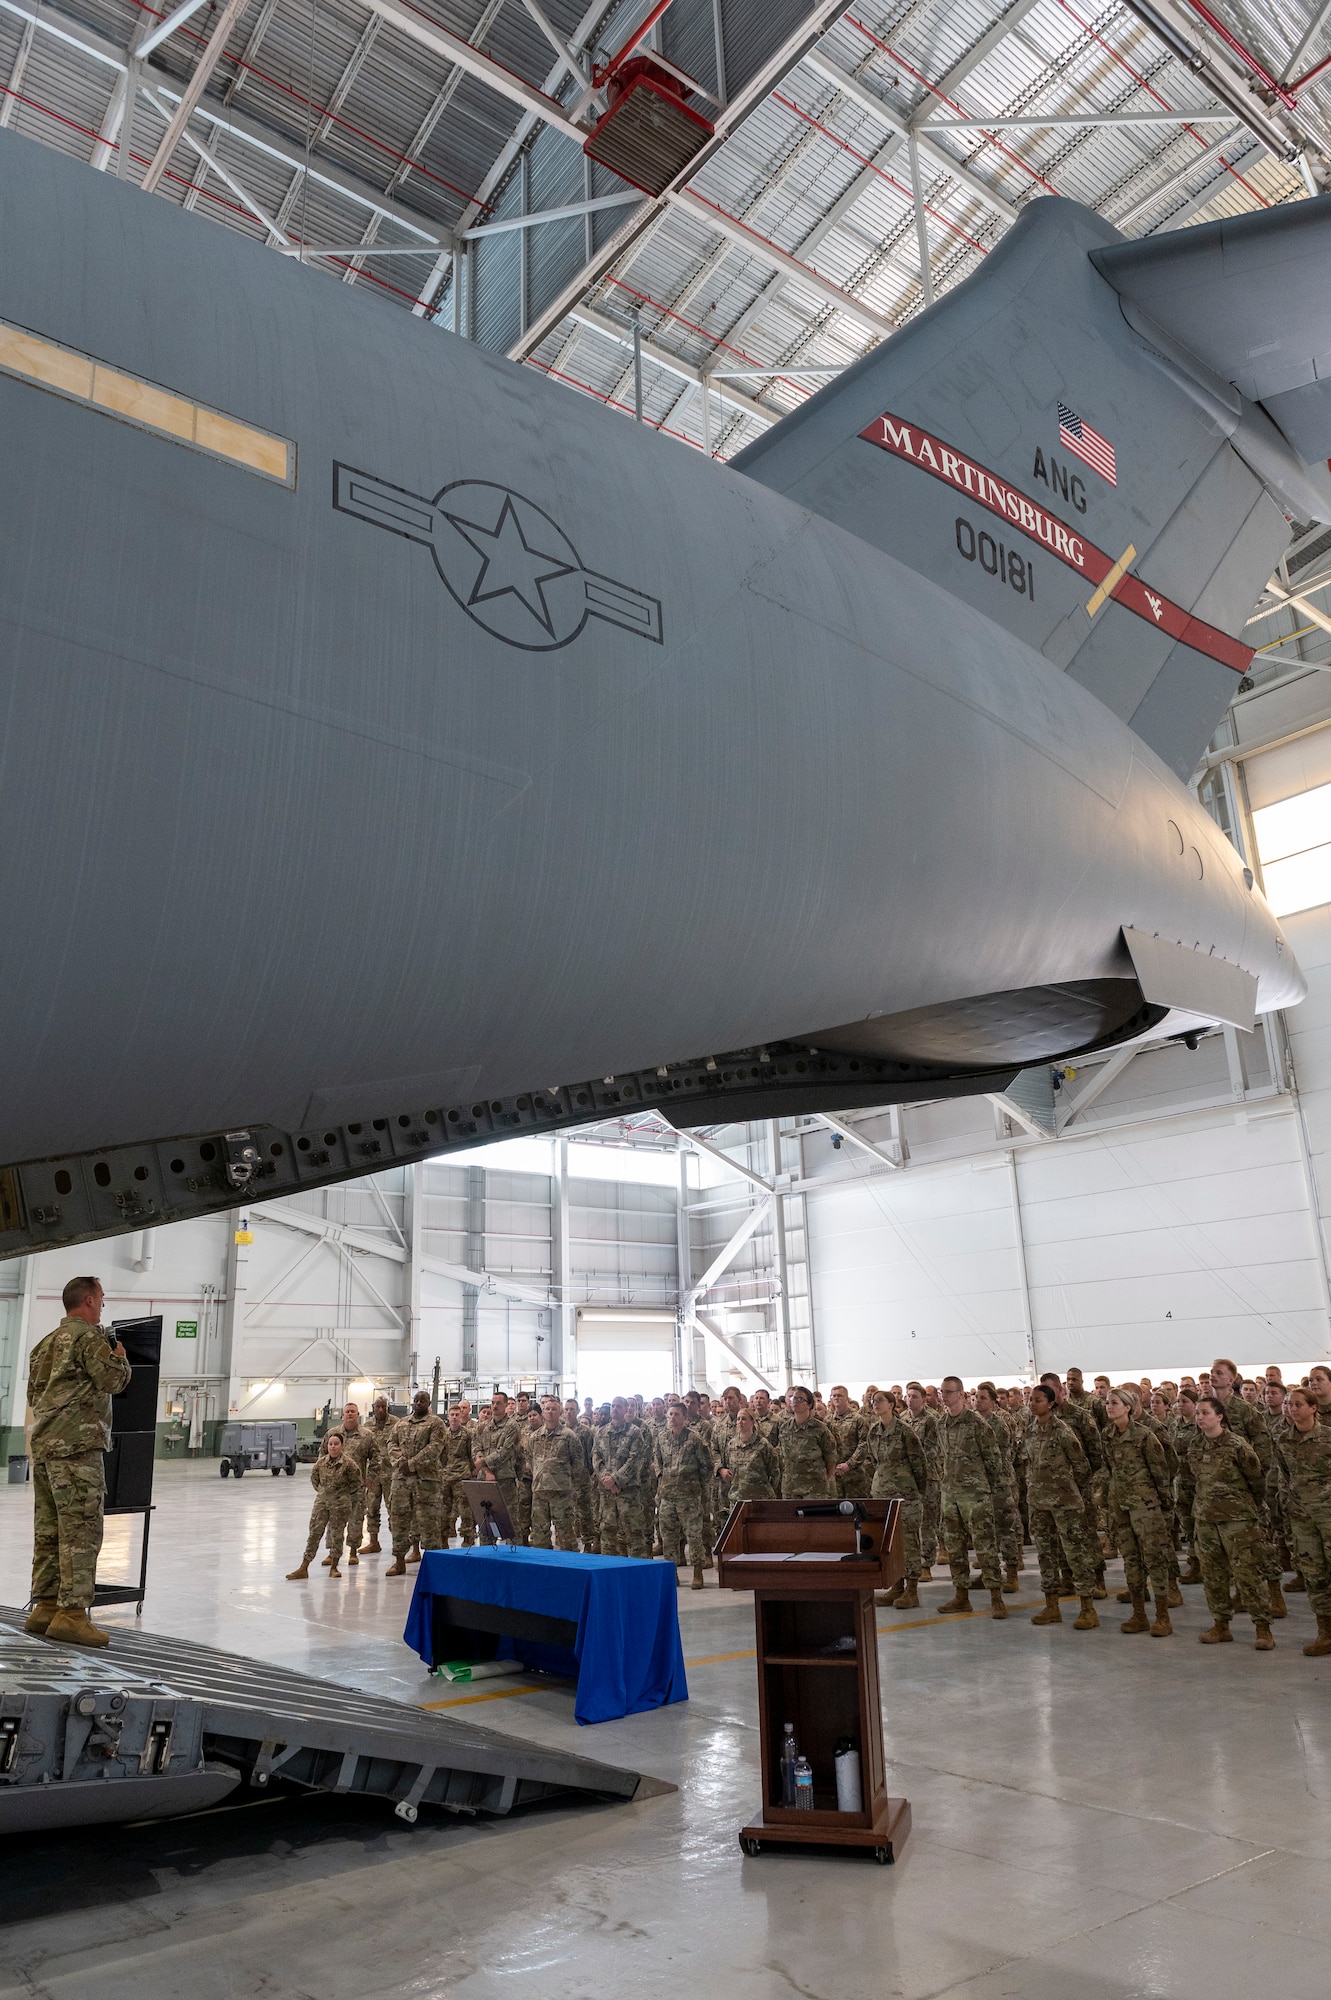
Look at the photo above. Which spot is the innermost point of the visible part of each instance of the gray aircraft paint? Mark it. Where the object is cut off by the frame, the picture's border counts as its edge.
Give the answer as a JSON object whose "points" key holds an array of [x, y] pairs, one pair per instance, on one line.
{"points": [[294, 828]]}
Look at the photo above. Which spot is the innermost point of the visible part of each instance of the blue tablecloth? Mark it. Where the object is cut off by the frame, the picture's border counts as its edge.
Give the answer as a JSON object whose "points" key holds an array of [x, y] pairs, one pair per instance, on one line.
{"points": [[627, 1655]]}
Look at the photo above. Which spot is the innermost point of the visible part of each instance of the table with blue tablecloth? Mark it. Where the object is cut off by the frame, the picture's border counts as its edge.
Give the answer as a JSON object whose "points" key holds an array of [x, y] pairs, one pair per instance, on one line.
{"points": [[610, 1622]]}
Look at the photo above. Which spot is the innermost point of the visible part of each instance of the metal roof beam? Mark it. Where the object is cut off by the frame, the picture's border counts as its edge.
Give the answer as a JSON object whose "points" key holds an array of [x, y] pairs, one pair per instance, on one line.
{"points": [[673, 365], [780, 260], [209, 57], [850, 86], [1026, 122], [973, 57], [20, 63], [452, 47]]}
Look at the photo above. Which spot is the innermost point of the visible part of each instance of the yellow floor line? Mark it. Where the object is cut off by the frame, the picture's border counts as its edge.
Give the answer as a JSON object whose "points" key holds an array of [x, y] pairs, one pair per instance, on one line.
{"points": [[491, 1694], [712, 1659]]}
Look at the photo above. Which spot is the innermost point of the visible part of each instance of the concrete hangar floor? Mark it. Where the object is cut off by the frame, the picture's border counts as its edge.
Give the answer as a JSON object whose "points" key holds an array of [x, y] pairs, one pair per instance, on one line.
{"points": [[1094, 1816]]}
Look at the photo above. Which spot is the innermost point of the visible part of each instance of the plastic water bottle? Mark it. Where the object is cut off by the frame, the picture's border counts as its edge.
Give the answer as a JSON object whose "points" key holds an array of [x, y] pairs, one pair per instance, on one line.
{"points": [[846, 1763], [803, 1786], [789, 1759]]}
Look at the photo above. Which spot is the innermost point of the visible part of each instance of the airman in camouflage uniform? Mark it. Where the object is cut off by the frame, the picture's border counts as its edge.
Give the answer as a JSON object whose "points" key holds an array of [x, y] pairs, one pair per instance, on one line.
{"points": [[1305, 1458], [751, 1468], [1184, 1435], [556, 1456], [1140, 1498], [891, 1458], [72, 1375], [619, 1459], [1057, 1476], [849, 1428], [687, 1469], [378, 1471], [455, 1466], [1079, 1420], [357, 1445], [924, 1423], [415, 1498], [339, 1504], [970, 1468], [807, 1452], [764, 1417], [1007, 1506], [1231, 1492], [1277, 1497], [1250, 1424], [499, 1451]]}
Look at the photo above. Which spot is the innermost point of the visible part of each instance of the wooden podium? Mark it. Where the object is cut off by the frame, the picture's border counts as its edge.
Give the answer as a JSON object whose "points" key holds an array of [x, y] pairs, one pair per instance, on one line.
{"points": [[813, 1582]]}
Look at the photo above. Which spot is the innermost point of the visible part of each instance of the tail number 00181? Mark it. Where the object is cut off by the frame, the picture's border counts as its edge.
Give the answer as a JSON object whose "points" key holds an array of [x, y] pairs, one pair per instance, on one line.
{"points": [[996, 559]]}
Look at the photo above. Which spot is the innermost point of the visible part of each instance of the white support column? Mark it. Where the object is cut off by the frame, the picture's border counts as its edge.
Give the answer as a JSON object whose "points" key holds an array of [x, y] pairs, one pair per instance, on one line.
{"points": [[564, 1359], [782, 1274], [233, 1311], [684, 1327], [1023, 1277], [416, 1251], [1315, 1217]]}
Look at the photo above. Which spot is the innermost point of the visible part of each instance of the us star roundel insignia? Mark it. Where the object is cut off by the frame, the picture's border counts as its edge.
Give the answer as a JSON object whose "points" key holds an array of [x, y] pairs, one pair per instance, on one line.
{"points": [[503, 559]]}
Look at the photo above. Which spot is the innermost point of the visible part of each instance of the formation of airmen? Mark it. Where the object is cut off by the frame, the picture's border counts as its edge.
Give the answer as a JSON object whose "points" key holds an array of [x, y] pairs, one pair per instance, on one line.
{"points": [[1215, 1481]]}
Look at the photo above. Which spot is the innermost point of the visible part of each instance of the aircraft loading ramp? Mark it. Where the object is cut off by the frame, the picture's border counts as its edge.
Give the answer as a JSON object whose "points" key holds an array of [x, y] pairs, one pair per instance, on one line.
{"points": [[151, 1727]]}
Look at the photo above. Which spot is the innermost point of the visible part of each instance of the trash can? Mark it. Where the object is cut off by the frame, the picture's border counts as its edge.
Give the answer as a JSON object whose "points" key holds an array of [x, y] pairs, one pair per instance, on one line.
{"points": [[18, 1469]]}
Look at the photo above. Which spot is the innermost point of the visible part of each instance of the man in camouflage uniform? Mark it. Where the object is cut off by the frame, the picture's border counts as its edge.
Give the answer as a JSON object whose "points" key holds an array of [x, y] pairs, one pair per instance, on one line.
{"points": [[764, 1420], [415, 1498], [654, 1423], [1277, 1498], [454, 1467], [891, 1458], [849, 1428], [970, 1469], [1184, 1436], [1007, 1508], [1231, 1540], [72, 1375], [555, 1454], [698, 1408], [1304, 1451], [925, 1426], [1141, 1502], [1079, 1420], [589, 1513], [620, 1458], [339, 1505], [1250, 1424], [1058, 1474], [499, 1451], [378, 1471], [686, 1475]]}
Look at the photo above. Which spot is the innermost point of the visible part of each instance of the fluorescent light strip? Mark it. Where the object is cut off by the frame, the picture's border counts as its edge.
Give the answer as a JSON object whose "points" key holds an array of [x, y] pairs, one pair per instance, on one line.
{"points": [[78, 377]]}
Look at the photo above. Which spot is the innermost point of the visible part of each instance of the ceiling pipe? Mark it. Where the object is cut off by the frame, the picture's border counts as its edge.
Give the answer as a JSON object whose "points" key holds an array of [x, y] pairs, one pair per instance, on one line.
{"points": [[1239, 102]]}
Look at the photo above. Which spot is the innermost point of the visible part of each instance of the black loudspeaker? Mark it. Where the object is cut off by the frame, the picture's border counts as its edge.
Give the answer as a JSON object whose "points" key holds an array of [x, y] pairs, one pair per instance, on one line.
{"points": [[129, 1463]]}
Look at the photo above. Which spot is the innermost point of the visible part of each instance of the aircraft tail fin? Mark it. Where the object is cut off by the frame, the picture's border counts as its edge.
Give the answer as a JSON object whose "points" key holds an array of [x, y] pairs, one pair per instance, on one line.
{"points": [[1048, 443]]}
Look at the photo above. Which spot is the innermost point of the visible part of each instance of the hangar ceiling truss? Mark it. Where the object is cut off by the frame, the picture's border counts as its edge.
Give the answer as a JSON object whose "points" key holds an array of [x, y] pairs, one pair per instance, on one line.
{"points": [[864, 158]]}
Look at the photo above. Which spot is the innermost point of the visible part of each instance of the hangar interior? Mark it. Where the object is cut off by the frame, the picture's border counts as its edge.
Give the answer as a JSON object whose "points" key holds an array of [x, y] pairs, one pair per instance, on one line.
{"points": [[1091, 1816]]}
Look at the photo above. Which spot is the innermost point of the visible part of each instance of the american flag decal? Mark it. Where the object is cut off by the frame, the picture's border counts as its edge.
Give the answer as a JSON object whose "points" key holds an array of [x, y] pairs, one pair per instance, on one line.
{"points": [[1076, 435]]}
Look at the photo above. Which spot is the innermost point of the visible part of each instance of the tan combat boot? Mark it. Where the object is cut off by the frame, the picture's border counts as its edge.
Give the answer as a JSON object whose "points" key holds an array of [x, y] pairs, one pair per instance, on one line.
{"points": [[697, 1583], [890, 1596], [1051, 1615], [43, 1611], [298, 1574], [335, 1571], [1173, 1596], [396, 1568], [1219, 1634], [1162, 1628], [1124, 1597], [75, 1628], [1264, 1642], [909, 1599], [997, 1608], [1317, 1648], [327, 1562], [353, 1560], [960, 1599], [1066, 1587], [1193, 1573], [1138, 1622], [1296, 1582], [925, 1576], [1088, 1621], [1098, 1589], [370, 1547], [1279, 1608], [414, 1553], [1010, 1584]]}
